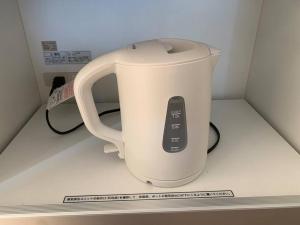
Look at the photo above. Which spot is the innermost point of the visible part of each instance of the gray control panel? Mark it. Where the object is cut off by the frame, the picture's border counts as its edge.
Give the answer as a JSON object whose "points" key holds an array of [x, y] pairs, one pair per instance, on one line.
{"points": [[175, 132]]}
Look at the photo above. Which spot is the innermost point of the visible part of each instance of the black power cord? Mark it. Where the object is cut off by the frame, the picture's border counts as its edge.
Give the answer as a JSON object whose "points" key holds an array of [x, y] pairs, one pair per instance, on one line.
{"points": [[77, 126], [59, 81], [216, 130]]}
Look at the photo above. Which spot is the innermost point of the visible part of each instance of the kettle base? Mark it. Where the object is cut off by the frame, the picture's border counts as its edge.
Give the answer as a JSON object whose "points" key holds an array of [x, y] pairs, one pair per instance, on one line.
{"points": [[167, 183]]}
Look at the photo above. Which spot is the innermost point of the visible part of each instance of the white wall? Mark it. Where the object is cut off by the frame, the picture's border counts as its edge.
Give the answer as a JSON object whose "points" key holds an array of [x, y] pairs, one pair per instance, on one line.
{"points": [[274, 81], [19, 96], [103, 25]]}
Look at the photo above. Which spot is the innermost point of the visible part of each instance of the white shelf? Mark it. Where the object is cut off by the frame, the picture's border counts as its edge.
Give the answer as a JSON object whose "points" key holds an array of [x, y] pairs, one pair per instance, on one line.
{"points": [[39, 168]]}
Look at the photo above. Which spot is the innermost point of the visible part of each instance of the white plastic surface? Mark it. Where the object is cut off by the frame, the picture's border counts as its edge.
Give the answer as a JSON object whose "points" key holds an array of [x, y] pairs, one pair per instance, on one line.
{"points": [[163, 51], [42, 168], [83, 84], [148, 77]]}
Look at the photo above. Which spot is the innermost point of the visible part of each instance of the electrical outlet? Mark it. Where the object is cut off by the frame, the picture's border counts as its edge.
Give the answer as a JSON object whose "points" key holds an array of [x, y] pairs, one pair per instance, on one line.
{"points": [[49, 76]]}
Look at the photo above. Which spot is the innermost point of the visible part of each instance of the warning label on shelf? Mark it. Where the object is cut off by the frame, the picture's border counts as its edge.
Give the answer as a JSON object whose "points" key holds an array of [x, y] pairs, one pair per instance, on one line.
{"points": [[149, 196]]}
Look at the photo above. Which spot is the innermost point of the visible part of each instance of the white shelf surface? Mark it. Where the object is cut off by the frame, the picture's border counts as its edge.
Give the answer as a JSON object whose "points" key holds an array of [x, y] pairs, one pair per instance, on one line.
{"points": [[40, 168]]}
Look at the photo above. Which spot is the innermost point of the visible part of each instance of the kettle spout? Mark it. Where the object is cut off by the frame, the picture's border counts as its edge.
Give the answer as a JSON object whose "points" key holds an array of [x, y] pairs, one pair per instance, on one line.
{"points": [[215, 54]]}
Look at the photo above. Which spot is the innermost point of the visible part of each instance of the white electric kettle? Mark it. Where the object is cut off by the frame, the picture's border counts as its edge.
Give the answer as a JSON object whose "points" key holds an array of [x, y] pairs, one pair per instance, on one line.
{"points": [[165, 96]]}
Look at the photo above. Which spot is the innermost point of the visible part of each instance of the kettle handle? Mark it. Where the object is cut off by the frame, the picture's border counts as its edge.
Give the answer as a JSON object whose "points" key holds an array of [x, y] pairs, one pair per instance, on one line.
{"points": [[87, 76]]}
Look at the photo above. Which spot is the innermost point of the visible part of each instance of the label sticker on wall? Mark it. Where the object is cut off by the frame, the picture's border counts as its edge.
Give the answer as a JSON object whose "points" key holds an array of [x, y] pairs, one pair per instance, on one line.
{"points": [[66, 57], [61, 95], [49, 45], [149, 196]]}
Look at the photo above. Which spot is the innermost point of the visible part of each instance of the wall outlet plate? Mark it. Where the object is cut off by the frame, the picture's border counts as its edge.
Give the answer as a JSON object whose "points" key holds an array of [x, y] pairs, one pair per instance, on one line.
{"points": [[49, 76]]}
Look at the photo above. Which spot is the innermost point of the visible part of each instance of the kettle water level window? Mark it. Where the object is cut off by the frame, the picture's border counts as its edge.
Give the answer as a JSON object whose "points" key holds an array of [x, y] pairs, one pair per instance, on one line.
{"points": [[175, 132]]}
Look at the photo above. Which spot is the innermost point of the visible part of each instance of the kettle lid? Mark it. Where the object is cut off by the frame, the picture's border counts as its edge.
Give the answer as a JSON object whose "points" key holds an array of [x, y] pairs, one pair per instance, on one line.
{"points": [[164, 51]]}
